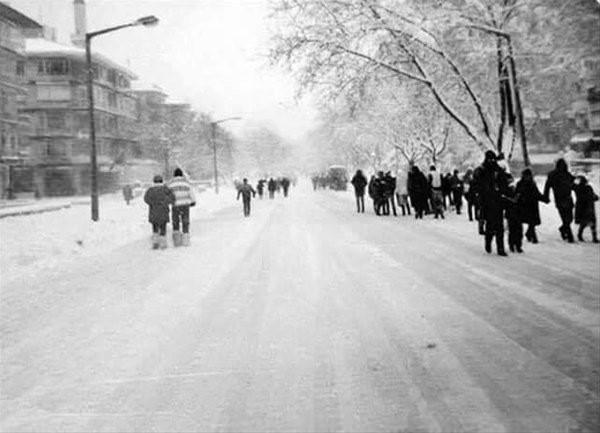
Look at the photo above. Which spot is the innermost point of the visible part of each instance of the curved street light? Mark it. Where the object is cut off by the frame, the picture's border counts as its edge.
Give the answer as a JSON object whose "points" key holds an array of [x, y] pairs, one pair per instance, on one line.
{"points": [[213, 128], [146, 21]]}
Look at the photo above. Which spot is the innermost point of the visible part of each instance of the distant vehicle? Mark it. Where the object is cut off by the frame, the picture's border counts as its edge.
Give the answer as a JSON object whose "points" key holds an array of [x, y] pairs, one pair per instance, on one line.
{"points": [[337, 178]]}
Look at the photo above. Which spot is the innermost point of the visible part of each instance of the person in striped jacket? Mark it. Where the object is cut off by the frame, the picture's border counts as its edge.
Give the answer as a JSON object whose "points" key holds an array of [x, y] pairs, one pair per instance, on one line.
{"points": [[180, 210]]}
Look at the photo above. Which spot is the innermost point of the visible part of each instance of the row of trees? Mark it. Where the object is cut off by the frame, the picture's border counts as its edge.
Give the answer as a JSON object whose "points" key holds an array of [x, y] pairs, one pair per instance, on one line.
{"points": [[177, 136], [426, 79]]}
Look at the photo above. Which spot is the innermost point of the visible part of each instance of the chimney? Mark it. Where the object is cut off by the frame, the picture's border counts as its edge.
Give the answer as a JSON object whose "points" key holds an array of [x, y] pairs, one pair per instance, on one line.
{"points": [[78, 38]]}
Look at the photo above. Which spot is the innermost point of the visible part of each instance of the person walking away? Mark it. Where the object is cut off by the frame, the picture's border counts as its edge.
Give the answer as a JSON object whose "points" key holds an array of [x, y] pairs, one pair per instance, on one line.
{"points": [[402, 192], [379, 192], [359, 182], [457, 189], [560, 181], [260, 188], [469, 193], [437, 194], [585, 212], [158, 198], [446, 190], [127, 193], [418, 191], [390, 192], [514, 219], [492, 183], [180, 211], [529, 197], [247, 192], [285, 184], [271, 186]]}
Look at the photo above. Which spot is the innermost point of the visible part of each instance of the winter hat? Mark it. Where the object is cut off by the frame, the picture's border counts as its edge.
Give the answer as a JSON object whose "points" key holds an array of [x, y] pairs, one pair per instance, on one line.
{"points": [[178, 172], [158, 179], [490, 155]]}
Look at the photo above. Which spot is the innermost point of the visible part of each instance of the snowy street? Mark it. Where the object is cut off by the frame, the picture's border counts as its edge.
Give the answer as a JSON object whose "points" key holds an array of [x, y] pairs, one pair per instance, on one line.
{"points": [[306, 317]]}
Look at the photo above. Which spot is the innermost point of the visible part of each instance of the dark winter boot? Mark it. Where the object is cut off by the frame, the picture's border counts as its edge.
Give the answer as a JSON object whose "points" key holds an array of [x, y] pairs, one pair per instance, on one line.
{"points": [[534, 238], [594, 235], [580, 233], [155, 241], [488, 244], [569, 234], [500, 245]]}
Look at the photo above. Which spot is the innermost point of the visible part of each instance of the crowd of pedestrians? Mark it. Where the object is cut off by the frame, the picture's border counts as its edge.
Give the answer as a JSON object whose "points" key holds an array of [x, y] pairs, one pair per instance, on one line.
{"points": [[493, 198]]}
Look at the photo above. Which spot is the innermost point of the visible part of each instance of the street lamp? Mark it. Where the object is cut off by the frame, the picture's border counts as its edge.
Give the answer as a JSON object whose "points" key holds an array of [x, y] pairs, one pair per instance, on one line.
{"points": [[143, 21], [213, 127]]}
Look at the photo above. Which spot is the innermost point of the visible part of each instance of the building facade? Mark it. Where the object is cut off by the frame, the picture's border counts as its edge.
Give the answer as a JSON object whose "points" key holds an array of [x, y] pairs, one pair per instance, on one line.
{"points": [[59, 145], [14, 126]]}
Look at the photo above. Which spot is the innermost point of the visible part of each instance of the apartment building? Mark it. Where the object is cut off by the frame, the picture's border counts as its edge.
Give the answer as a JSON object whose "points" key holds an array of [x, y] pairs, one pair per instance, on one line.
{"points": [[14, 26], [55, 78]]}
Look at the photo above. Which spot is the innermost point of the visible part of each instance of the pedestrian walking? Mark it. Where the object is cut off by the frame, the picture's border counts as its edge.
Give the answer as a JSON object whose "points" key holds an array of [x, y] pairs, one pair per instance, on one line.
{"points": [[379, 188], [469, 193], [285, 185], [271, 186], [180, 211], [359, 182], [127, 193], [514, 219], [492, 183], [247, 192], [417, 187], [446, 190], [437, 193], [560, 181], [158, 198], [402, 192], [529, 197], [390, 193], [585, 212], [260, 188], [457, 190]]}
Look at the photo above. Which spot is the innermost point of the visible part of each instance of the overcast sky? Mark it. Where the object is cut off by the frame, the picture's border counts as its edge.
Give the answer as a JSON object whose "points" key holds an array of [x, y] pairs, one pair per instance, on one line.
{"points": [[210, 53]]}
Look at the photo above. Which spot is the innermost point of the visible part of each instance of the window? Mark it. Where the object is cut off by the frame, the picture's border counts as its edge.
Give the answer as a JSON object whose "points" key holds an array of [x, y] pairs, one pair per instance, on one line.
{"points": [[53, 93], [112, 99], [53, 66], [56, 149], [112, 76], [20, 68], [55, 120]]}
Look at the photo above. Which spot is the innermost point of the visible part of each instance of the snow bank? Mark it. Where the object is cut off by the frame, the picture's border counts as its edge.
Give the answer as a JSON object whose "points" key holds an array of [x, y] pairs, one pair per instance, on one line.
{"points": [[47, 240]]}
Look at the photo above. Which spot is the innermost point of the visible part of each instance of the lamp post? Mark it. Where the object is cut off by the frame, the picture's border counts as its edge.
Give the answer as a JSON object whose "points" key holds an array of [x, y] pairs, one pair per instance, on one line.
{"points": [[144, 21], [213, 128]]}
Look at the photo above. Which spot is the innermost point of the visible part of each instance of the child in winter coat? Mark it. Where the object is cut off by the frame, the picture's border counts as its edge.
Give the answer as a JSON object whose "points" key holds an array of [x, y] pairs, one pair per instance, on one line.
{"points": [[529, 197], [158, 197], [585, 212], [514, 218]]}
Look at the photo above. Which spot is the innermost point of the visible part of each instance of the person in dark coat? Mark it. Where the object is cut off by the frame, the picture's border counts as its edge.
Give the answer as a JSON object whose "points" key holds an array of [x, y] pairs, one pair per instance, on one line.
{"points": [[585, 212], [446, 190], [492, 183], [514, 219], [560, 180], [529, 197], [260, 188], [371, 192], [359, 182], [469, 194], [388, 193], [417, 186], [285, 184], [457, 188], [247, 192], [272, 186], [158, 197], [127, 193], [379, 200]]}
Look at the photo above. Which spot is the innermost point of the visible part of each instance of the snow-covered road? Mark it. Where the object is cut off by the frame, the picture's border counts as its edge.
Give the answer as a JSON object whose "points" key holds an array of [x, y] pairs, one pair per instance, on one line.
{"points": [[307, 317]]}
